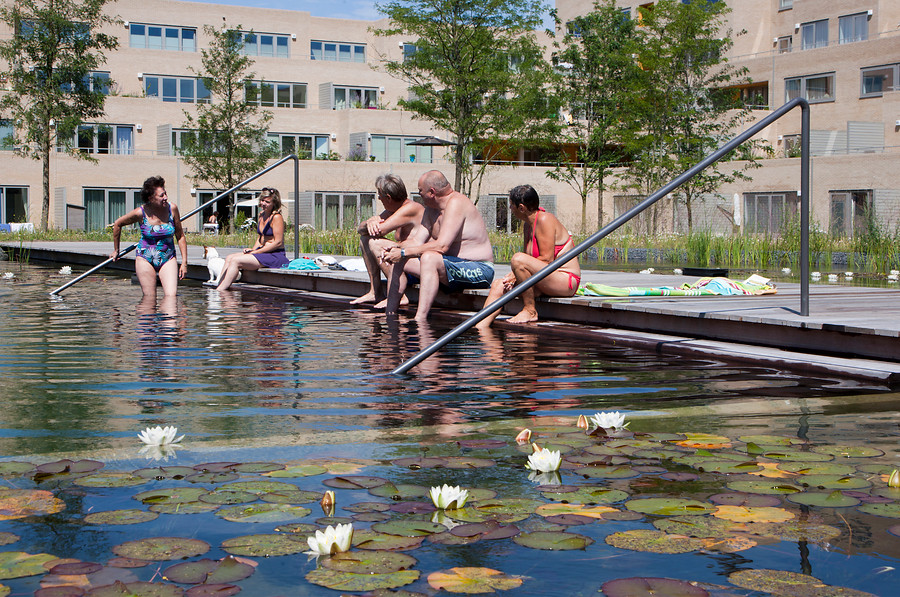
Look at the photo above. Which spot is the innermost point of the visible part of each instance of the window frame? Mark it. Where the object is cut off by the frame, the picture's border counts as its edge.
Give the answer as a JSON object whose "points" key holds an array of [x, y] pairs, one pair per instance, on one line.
{"points": [[186, 37], [331, 51], [318, 146], [178, 81], [107, 216], [255, 39], [785, 48], [276, 86], [112, 147], [814, 26], [895, 75], [349, 98], [859, 16], [5, 217], [789, 208], [803, 89]]}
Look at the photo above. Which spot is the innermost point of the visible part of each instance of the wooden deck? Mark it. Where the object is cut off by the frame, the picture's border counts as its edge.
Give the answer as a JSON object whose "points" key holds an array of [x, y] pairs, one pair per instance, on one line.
{"points": [[851, 331]]}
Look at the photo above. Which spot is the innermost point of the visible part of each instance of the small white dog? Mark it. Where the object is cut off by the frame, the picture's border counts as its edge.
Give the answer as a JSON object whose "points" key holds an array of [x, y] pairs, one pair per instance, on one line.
{"points": [[214, 264]]}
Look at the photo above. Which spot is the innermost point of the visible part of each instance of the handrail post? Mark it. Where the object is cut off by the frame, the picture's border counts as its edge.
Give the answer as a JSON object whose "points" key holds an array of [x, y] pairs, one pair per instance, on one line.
{"points": [[804, 210], [296, 207]]}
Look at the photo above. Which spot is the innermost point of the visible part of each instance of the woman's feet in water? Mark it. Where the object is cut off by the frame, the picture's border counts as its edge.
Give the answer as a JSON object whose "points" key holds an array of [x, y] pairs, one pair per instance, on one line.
{"points": [[368, 297]]}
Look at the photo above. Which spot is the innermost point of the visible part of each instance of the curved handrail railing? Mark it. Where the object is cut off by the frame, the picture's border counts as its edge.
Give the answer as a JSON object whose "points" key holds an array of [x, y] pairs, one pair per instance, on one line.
{"points": [[680, 180]]}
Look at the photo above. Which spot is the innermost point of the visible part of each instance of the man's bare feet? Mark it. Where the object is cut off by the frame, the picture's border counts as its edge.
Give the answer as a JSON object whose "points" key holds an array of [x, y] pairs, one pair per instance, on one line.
{"points": [[383, 304], [368, 297], [523, 316]]}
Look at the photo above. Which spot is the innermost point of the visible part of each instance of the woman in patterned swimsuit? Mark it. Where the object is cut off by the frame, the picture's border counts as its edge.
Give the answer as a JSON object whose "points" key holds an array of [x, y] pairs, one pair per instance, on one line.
{"points": [[160, 225], [268, 250], [545, 238]]}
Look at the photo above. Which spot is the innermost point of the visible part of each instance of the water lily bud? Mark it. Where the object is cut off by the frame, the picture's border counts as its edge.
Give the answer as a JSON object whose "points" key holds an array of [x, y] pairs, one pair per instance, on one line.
{"points": [[327, 503], [894, 479], [524, 436], [582, 422]]}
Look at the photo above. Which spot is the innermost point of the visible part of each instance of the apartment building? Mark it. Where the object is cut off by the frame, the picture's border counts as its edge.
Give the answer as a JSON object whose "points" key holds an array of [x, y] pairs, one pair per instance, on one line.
{"points": [[330, 101]]}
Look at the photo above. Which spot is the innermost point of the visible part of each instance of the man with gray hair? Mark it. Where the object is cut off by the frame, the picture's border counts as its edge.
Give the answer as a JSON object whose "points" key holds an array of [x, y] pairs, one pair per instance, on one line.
{"points": [[401, 216], [450, 249]]}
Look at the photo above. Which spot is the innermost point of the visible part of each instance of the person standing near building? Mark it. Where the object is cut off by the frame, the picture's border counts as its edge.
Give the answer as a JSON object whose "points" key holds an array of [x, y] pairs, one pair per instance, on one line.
{"points": [[160, 225]]}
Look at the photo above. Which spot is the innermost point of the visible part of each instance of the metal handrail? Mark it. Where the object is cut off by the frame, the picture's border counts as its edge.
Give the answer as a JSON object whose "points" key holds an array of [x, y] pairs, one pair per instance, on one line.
{"points": [[680, 180], [265, 170]]}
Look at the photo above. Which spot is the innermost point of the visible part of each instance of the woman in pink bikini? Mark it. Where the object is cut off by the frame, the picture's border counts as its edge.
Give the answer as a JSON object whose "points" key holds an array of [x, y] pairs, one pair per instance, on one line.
{"points": [[545, 238]]}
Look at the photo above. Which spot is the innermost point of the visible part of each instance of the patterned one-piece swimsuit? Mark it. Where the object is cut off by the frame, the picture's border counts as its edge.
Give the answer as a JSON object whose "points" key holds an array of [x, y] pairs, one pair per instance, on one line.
{"points": [[157, 244]]}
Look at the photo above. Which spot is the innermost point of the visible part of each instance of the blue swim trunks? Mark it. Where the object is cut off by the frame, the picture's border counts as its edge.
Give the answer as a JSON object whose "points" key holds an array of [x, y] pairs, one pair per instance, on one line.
{"points": [[462, 274]]}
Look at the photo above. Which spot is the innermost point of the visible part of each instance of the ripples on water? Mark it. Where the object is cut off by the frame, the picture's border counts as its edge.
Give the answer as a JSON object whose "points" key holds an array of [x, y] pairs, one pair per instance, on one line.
{"points": [[251, 376]]}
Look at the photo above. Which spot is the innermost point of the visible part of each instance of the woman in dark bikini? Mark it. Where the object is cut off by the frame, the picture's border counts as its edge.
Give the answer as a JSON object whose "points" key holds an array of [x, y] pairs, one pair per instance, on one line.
{"points": [[545, 238], [160, 229], [268, 250]]}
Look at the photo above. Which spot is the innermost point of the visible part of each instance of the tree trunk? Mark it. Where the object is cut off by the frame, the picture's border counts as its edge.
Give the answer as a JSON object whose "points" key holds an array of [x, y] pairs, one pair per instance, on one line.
{"points": [[45, 177]]}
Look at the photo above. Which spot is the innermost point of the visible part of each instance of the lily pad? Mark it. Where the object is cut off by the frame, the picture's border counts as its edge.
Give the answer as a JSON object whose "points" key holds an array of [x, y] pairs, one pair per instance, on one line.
{"points": [[833, 499], [419, 462], [68, 466], [226, 570], [608, 472], [797, 456], [669, 506], [769, 440], [13, 468], [265, 545], [128, 516], [556, 509], [489, 530], [21, 503], [6, 538], [333, 520], [448, 538], [846, 451], [788, 584], [165, 472], [703, 527], [258, 467], [764, 487], [727, 466], [891, 510], [753, 514], [643, 586], [399, 492], [111, 480], [259, 487], [553, 540], [408, 528], [161, 548], [298, 528], [704, 440], [834, 482], [795, 530], [298, 496], [184, 508], [587, 495], [472, 580], [172, 495], [354, 482], [481, 444], [137, 589], [213, 590], [817, 468], [737, 498], [467, 462], [367, 507], [369, 562], [296, 471], [16, 564], [348, 581], [127, 563], [212, 477], [369, 539], [75, 568], [224, 497], [263, 513], [647, 540]]}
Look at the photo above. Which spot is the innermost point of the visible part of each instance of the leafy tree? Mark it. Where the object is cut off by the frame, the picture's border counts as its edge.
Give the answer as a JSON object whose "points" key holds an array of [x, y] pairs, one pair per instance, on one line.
{"points": [[229, 143], [476, 71], [597, 84], [687, 108], [55, 47]]}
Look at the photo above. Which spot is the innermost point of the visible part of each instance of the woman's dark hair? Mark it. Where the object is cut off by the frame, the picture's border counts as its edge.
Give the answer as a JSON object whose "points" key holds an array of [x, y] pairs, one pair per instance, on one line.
{"points": [[524, 194], [150, 186]]}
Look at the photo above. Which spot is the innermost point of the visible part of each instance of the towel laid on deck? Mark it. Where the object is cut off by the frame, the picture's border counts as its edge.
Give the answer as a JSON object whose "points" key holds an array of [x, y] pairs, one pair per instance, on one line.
{"points": [[717, 286]]}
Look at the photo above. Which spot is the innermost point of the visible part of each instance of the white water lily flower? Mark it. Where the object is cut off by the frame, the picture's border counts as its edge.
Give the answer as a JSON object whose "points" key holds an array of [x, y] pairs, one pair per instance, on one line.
{"points": [[786, 271], [895, 272], [449, 498], [332, 541], [66, 270], [894, 479], [544, 461], [609, 420], [677, 271], [8, 276], [159, 436], [816, 275]]}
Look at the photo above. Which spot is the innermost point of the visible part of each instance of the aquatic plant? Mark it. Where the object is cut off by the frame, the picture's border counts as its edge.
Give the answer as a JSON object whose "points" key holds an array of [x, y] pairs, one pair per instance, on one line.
{"points": [[160, 436], [544, 460], [333, 540], [449, 498], [609, 420]]}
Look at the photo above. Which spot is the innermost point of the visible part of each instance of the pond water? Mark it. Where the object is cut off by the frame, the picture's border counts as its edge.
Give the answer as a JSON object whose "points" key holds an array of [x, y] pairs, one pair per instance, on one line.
{"points": [[725, 473]]}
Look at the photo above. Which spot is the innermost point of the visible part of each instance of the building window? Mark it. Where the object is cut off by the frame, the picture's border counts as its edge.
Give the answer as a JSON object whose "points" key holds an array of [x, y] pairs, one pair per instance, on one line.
{"points": [[878, 79], [105, 139], [276, 95], [7, 134], [814, 34], [266, 44], [766, 213], [306, 147], [755, 96], [342, 211], [850, 212], [162, 37], [785, 4], [853, 28], [785, 44], [104, 206], [409, 50], [396, 148], [814, 88], [354, 97], [337, 51], [792, 147], [13, 205], [186, 90], [573, 29]]}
